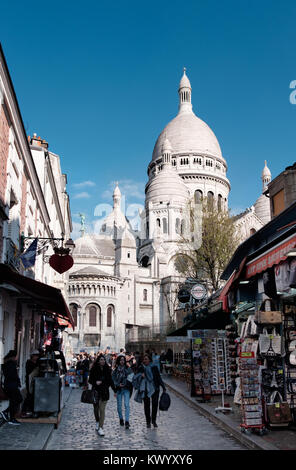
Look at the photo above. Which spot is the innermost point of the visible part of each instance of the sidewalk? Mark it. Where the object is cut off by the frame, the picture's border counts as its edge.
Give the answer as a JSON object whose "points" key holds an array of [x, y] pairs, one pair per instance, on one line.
{"points": [[27, 436], [281, 439]]}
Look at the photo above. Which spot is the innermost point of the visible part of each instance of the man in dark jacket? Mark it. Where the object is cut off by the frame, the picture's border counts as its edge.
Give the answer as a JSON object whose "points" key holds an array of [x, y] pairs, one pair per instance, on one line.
{"points": [[11, 387]]}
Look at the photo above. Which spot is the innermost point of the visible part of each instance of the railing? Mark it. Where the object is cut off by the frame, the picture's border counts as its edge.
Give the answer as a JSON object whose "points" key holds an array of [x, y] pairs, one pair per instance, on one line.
{"points": [[145, 333]]}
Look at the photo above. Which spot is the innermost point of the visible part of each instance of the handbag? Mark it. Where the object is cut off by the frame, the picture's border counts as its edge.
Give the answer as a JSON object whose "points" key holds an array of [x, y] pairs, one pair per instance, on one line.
{"points": [[278, 412], [272, 316], [3, 395], [89, 396], [164, 402], [270, 345]]}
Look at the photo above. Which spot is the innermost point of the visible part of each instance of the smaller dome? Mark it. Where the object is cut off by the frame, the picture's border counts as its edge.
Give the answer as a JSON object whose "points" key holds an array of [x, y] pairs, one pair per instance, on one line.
{"points": [[262, 208], [266, 171], [167, 185], [184, 83]]}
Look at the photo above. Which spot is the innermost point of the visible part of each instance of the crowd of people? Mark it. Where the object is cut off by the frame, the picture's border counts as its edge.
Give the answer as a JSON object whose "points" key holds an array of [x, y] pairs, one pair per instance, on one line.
{"points": [[123, 372]]}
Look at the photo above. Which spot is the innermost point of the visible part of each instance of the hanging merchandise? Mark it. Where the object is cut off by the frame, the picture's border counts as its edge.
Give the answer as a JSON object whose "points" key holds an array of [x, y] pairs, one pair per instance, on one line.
{"points": [[265, 316], [270, 344], [269, 283], [292, 278], [282, 277], [279, 413], [251, 406]]}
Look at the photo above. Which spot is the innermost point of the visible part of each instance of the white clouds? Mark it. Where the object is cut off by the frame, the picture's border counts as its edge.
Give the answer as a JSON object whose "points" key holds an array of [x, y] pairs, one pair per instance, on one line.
{"points": [[84, 184], [83, 195]]}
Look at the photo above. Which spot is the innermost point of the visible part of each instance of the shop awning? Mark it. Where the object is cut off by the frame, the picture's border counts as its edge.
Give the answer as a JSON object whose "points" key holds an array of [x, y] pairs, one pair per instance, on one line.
{"points": [[225, 290], [271, 257], [43, 296]]}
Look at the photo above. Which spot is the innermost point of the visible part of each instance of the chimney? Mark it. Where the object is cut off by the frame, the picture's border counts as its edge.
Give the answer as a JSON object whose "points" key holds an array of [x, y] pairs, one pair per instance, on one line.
{"points": [[37, 141]]}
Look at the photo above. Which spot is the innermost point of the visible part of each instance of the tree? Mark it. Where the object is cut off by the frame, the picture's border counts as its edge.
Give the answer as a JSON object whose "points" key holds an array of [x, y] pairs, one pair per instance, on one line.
{"points": [[218, 240], [170, 294]]}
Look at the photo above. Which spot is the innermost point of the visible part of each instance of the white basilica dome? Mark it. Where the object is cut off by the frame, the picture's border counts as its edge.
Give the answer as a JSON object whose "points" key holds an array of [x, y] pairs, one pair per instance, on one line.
{"points": [[187, 133]]}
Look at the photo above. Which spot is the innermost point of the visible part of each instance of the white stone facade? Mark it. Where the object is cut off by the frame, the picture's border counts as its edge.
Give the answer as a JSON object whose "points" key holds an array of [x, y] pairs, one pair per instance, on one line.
{"points": [[135, 272]]}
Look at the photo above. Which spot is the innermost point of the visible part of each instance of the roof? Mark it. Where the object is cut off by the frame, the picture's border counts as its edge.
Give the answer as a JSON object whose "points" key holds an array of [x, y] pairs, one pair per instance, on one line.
{"points": [[94, 245], [273, 232], [90, 270]]}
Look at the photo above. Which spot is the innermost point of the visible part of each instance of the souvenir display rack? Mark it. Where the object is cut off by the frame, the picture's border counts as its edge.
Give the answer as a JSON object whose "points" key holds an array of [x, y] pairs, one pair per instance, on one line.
{"points": [[289, 327], [251, 403], [221, 367]]}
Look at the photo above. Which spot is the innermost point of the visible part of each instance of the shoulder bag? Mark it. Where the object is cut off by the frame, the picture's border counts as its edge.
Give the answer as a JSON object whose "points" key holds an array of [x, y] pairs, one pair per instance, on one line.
{"points": [[89, 396], [278, 412]]}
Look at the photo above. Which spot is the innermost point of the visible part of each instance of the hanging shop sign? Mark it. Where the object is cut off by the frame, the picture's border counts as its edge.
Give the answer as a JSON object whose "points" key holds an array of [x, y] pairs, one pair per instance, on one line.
{"points": [[61, 261], [273, 256], [198, 292], [183, 296]]}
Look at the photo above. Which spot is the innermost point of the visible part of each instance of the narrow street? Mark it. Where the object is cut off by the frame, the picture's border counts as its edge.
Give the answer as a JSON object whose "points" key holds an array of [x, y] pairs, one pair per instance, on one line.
{"points": [[181, 428]]}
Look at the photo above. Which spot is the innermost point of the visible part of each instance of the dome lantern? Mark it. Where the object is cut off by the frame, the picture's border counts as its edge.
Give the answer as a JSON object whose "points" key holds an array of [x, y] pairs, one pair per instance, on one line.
{"points": [[185, 94]]}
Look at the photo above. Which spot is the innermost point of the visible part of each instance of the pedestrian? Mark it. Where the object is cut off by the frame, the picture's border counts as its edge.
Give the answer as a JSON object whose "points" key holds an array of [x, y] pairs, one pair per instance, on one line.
{"points": [[11, 388], [85, 369], [156, 359], [32, 369], [149, 388], [80, 370], [121, 352], [123, 387], [162, 361], [100, 379]]}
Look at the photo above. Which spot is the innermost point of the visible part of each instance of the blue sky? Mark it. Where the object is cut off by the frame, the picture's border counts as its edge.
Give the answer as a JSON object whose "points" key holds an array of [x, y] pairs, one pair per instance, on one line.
{"points": [[98, 80]]}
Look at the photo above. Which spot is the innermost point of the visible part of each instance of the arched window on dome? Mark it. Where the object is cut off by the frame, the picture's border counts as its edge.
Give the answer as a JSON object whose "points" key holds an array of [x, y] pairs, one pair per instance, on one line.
{"points": [[147, 229], [252, 231], [182, 229], [198, 195], [145, 295], [103, 228], [210, 199], [164, 225], [178, 226], [219, 202], [157, 222], [74, 312], [110, 311], [92, 315]]}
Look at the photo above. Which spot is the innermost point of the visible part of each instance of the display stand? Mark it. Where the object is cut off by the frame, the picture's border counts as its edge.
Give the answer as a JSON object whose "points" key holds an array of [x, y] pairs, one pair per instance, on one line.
{"points": [[252, 419], [221, 368]]}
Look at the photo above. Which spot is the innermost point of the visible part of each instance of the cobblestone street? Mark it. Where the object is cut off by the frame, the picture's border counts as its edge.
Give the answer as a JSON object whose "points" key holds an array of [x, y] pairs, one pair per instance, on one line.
{"points": [[181, 428]]}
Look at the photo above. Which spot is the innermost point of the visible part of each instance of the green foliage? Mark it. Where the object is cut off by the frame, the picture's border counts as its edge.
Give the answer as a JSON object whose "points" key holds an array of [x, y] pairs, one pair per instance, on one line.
{"points": [[218, 242]]}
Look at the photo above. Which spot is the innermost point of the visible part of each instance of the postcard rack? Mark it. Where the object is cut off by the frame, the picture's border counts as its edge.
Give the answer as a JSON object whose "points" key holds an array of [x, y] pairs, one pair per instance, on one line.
{"points": [[251, 402]]}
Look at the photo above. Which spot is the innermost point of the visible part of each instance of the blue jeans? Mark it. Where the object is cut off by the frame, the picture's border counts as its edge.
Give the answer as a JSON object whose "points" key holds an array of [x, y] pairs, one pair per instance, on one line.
{"points": [[126, 395]]}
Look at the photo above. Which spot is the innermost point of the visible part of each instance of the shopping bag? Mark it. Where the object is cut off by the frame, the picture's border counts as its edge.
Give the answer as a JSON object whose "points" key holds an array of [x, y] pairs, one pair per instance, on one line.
{"points": [[264, 342], [89, 396], [268, 317], [278, 412]]}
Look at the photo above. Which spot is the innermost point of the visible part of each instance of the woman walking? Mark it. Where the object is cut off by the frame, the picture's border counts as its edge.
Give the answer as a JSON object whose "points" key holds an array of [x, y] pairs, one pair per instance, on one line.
{"points": [[100, 379], [11, 387], [123, 388], [149, 388]]}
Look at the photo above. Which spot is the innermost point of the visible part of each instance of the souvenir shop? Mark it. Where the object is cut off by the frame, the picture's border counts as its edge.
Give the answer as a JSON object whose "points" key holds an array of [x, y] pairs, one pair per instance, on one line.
{"points": [[261, 295]]}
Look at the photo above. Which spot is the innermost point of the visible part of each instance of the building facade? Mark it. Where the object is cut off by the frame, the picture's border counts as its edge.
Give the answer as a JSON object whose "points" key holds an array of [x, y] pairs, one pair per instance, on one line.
{"points": [[33, 203], [123, 286]]}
